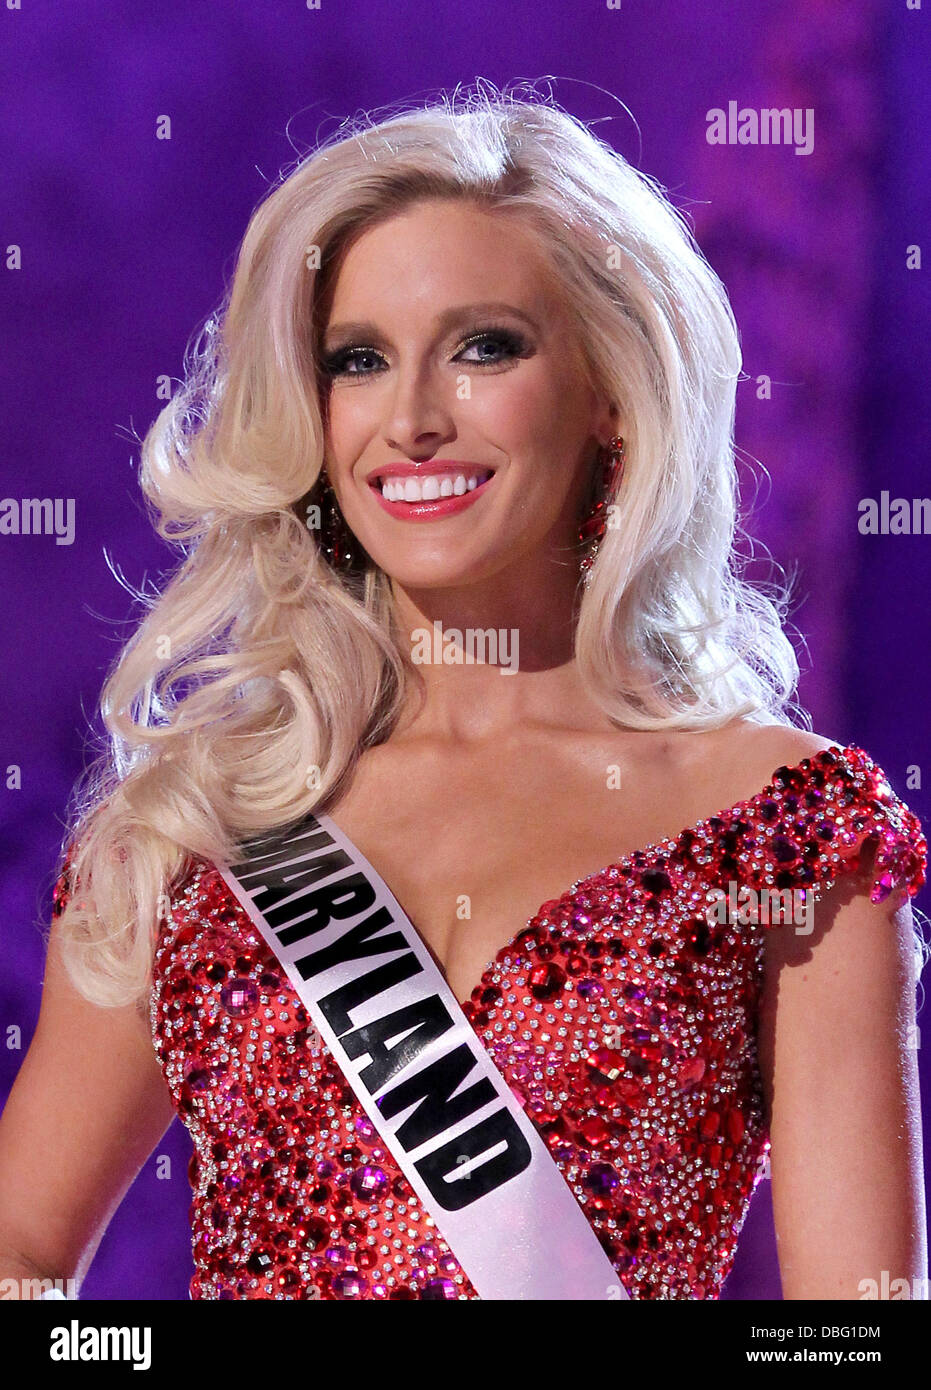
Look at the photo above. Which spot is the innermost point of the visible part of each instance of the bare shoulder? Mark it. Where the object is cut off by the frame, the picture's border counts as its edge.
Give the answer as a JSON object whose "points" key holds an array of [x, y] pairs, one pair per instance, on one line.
{"points": [[776, 745], [749, 753]]}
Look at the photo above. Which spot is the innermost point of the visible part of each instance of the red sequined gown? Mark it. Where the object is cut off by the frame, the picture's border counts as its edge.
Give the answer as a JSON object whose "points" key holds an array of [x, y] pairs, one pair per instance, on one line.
{"points": [[624, 1022]]}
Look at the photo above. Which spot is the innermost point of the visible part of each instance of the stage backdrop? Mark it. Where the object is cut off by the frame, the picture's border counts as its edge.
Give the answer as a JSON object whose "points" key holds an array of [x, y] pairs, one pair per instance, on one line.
{"points": [[117, 244]]}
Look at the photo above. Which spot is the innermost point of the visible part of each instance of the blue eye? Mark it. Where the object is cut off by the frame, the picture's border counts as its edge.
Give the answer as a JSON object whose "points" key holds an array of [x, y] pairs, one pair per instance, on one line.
{"points": [[349, 361], [513, 345], [337, 363]]}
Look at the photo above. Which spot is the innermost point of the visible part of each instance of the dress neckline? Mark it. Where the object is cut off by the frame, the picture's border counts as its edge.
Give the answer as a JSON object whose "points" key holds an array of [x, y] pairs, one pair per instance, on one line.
{"points": [[666, 846]]}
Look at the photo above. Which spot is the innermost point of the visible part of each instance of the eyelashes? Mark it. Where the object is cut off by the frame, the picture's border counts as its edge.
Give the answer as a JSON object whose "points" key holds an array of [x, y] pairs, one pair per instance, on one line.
{"points": [[511, 343]]}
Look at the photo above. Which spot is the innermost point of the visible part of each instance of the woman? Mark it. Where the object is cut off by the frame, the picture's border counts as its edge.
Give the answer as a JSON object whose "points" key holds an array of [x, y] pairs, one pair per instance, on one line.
{"points": [[468, 415]]}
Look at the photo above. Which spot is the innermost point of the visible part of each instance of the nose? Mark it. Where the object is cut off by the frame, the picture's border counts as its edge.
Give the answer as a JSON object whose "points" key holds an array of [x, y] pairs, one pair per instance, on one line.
{"points": [[418, 419]]}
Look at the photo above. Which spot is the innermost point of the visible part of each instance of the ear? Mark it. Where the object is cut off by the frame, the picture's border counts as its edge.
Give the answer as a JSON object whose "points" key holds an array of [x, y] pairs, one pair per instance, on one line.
{"points": [[608, 422]]}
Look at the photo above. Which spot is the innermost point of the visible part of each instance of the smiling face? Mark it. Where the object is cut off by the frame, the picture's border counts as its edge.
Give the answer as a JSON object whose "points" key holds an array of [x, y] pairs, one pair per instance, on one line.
{"points": [[453, 380]]}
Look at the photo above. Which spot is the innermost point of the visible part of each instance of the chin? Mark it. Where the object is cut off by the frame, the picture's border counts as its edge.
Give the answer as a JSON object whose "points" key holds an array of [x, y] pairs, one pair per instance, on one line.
{"points": [[440, 572], [439, 576]]}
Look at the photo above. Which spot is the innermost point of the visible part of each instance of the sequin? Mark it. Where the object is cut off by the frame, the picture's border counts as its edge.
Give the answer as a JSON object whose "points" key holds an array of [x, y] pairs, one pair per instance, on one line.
{"points": [[623, 1022]]}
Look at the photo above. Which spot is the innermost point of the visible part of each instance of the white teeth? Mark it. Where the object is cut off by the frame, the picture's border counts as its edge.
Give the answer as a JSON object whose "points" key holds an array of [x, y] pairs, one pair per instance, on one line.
{"points": [[429, 487]]}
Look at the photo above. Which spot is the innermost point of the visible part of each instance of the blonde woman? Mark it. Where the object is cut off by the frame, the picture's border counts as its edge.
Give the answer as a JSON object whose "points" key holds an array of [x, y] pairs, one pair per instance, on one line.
{"points": [[452, 476]]}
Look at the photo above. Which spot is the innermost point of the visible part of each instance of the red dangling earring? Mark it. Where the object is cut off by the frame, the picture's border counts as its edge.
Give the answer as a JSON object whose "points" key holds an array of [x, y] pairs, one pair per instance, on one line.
{"points": [[611, 461], [336, 540]]}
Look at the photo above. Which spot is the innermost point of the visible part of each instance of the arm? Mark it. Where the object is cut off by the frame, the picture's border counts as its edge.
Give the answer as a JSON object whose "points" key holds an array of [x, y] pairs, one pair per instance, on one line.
{"points": [[840, 1080], [87, 1108]]}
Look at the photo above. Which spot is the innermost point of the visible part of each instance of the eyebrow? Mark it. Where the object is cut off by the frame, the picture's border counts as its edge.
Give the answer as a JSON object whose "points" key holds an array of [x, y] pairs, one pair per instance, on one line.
{"points": [[447, 319]]}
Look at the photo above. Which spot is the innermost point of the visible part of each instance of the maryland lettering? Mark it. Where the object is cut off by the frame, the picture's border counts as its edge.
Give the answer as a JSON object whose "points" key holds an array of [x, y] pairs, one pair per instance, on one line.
{"points": [[310, 893]]}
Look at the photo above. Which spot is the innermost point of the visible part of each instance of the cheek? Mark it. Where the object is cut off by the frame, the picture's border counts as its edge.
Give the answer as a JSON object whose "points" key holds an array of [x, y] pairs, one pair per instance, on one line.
{"points": [[538, 400], [345, 419]]}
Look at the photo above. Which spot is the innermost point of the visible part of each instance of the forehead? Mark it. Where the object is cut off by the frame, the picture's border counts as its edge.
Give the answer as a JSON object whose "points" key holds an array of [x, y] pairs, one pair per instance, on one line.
{"points": [[441, 248]]}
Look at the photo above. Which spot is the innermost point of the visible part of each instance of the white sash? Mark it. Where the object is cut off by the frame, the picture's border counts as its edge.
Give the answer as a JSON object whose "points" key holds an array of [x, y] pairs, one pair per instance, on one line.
{"points": [[375, 995]]}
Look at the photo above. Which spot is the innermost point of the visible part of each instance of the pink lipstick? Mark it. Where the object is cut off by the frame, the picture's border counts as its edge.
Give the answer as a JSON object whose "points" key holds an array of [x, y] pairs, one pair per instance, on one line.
{"points": [[433, 508]]}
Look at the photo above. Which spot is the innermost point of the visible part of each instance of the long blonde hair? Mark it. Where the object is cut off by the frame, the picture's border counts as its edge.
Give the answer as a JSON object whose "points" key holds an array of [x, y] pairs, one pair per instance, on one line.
{"points": [[259, 674]]}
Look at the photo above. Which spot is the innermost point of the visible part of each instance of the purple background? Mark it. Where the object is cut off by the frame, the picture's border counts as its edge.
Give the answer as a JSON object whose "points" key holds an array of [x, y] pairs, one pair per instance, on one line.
{"points": [[127, 242]]}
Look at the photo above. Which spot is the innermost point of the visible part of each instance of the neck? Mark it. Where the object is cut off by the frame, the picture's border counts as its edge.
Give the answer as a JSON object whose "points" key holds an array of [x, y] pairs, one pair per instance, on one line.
{"points": [[493, 655]]}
